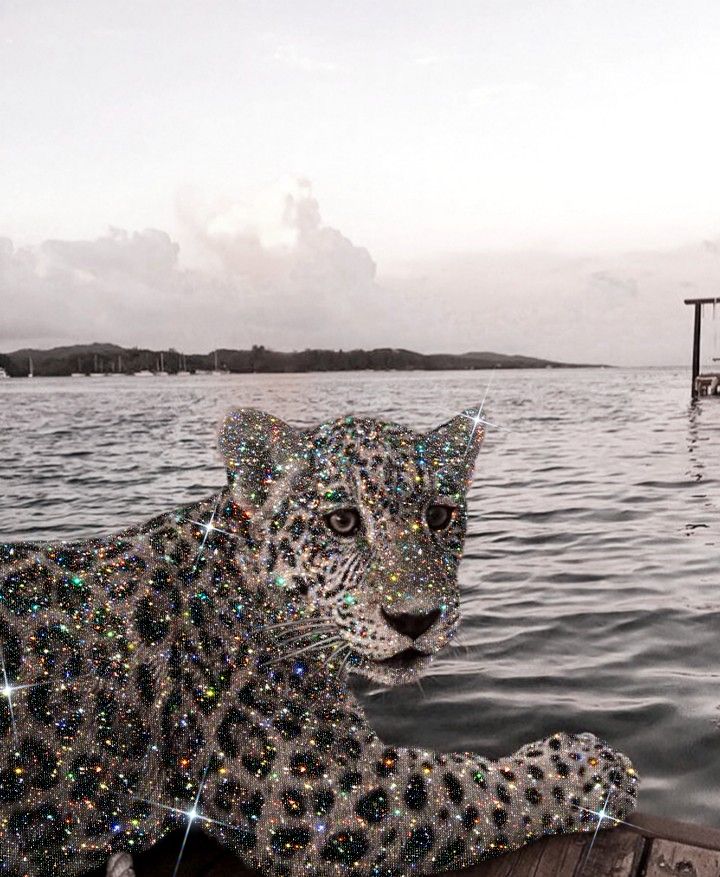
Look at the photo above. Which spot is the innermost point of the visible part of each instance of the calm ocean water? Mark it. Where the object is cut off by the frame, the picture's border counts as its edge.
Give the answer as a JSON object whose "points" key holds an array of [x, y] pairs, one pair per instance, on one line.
{"points": [[591, 578]]}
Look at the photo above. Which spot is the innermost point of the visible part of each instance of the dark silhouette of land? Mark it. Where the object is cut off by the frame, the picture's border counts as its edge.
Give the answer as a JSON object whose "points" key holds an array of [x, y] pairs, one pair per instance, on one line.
{"points": [[111, 358]]}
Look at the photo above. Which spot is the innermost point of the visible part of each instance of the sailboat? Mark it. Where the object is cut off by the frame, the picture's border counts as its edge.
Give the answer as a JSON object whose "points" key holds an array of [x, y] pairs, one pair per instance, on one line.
{"points": [[30, 367], [79, 373], [161, 369], [116, 371], [4, 375], [216, 370], [95, 373], [183, 365]]}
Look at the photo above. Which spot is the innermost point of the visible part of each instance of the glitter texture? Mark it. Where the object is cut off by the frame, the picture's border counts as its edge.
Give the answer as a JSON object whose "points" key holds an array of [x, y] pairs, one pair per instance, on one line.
{"points": [[193, 670]]}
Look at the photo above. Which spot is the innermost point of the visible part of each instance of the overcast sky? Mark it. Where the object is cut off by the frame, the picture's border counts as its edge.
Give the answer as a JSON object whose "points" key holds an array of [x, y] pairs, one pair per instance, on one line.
{"points": [[532, 177]]}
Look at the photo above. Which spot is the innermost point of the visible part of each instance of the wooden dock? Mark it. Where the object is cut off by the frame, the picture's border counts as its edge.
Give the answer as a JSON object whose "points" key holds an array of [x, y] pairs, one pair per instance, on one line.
{"points": [[652, 847], [707, 384]]}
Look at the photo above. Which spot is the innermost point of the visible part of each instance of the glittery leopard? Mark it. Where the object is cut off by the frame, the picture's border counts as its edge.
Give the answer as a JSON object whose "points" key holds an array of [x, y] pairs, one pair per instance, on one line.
{"points": [[193, 670]]}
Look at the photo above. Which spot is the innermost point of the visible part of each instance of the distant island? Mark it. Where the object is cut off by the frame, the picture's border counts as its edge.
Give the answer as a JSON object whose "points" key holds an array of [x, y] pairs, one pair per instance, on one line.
{"points": [[108, 359]]}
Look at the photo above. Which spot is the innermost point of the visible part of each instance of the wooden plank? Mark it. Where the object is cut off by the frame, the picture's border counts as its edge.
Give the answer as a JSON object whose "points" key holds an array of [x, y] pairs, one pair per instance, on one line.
{"points": [[667, 858], [682, 832], [555, 857], [549, 857], [613, 853], [560, 856]]}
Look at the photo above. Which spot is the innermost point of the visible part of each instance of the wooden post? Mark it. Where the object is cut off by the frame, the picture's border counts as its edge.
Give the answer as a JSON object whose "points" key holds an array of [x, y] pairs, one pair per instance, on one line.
{"points": [[696, 349], [698, 303]]}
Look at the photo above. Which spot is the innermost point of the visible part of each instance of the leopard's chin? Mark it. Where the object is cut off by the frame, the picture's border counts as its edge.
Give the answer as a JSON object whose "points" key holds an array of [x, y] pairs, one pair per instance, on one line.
{"points": [[398, 669]]}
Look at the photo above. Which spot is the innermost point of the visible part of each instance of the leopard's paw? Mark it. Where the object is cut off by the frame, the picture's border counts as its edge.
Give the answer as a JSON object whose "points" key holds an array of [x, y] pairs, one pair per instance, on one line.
{"points": [[120, 865], [609, 782]]}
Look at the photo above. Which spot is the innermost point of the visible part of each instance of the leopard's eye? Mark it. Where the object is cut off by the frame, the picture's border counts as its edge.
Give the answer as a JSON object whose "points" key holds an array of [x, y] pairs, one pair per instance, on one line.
{"points": [[438, 516], [344, 522]]}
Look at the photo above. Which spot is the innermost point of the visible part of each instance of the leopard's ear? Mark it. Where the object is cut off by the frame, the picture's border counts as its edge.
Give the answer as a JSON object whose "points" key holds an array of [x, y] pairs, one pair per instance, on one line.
{"points": [[454, 447], [260, 452]]}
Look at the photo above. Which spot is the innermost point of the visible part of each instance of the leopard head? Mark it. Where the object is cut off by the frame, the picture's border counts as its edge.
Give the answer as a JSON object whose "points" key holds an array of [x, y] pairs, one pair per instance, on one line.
{"points": [[361, 524]]}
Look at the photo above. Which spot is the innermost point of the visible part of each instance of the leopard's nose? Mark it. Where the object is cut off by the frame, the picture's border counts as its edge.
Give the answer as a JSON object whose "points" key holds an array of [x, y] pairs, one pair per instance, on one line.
{"points": [[410, 624]]}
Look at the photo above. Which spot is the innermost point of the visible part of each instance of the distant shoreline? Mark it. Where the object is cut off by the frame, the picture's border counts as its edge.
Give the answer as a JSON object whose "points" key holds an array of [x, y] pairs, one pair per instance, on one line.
{"points": [[97, 359]]}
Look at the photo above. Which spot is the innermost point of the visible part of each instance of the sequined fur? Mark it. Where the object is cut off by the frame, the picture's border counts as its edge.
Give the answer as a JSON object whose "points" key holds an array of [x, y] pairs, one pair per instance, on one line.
{"points": [[193, 669]]}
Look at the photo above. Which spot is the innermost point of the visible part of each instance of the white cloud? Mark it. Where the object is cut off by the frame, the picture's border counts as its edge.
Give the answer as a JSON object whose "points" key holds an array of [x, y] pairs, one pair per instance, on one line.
{"points": [[107, 288], [273, 274], [269, 271], [617, 308], [301, 277]]}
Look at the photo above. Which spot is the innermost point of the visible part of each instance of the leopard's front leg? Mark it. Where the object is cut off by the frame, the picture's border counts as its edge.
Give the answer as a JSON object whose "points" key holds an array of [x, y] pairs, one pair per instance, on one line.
{"points": [[439, 811], [331, 800]]}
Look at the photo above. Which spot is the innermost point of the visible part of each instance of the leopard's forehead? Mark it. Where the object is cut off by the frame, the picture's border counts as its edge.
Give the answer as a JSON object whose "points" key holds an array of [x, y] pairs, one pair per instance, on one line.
{"points": [[266, 458], [366, 433], [385, 454]]}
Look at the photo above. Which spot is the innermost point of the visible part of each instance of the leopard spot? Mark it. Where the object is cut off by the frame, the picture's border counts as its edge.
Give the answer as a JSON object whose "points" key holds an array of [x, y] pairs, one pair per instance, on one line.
{"points": [[374, 806], [149, 621], [535, 772], [346, 847], [305, 764], [454, 787], [416, 793], [12, 787], [503, 793], [533, 796], [288, 841], [293, 801], [350, 780], [449, 853], [470, 817], [418, 845], [500, 816]]}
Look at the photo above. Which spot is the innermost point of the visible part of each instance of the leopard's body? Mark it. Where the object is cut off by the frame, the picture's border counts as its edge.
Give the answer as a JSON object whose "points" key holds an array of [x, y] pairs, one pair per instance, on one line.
{"points": [[194, 669]]}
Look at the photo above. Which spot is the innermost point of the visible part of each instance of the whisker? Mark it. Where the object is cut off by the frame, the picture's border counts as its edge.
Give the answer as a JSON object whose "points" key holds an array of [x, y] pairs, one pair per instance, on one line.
{"points": [[312, 647], [339, 656], [381, 691], [303, 629], [296, 621], [320, 635], [287, 634], [290, 642], [344, 663], [338, 651], [460, 642]]}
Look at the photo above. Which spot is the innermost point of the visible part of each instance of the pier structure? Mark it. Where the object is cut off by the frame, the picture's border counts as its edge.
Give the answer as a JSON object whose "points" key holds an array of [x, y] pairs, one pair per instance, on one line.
{"points": [[707, 383], [646, 846]]}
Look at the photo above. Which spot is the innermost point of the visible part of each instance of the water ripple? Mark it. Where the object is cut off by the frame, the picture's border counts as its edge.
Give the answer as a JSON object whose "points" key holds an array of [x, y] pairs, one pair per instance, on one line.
{"points": [[590, 582]]}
